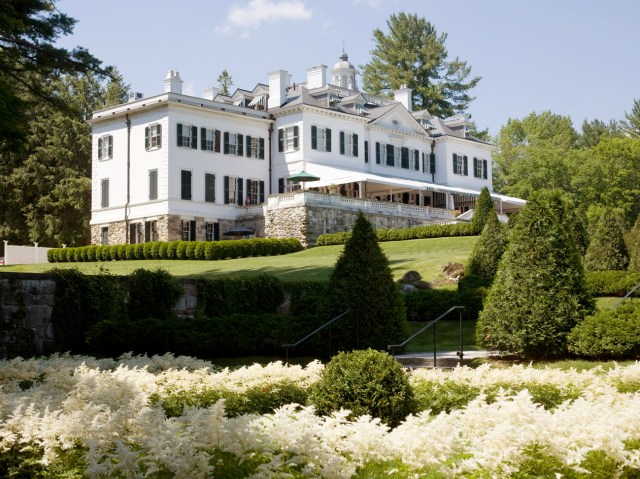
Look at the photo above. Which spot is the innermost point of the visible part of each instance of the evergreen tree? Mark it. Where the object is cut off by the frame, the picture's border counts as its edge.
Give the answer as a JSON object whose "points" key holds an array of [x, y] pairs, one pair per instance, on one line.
{"points": [[413, 54], [483, 210], [225, 82], [633, 246], [539, 293], [362, 281], [631, 122], [607, 249], [487, 252]]}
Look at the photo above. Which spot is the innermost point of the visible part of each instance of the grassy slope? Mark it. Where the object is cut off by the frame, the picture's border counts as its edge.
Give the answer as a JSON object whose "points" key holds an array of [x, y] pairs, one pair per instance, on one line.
{"points": [[426, 256]]}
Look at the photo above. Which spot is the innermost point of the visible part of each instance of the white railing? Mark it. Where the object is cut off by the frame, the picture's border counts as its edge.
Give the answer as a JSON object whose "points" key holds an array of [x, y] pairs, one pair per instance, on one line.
{"points": [[312, 198]]}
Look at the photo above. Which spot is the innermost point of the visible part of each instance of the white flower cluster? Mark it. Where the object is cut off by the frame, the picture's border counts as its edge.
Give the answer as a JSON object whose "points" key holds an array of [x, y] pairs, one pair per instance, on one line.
{"points": [[102, 408]]}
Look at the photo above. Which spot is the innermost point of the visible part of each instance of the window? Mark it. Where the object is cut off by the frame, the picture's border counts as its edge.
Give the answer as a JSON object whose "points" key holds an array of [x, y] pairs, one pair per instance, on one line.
{"points": [[188, 230], [460, 166], [232, 144], [255, 148], [150, 231], [135, 233], [288, 138], [255, 192], [153, 184], [105, 147], [187, 136], [320, 138], [348, 144], [210, 140], [104, 193], [480, 168], [416, 160], [387, 154], [185, 184], [233, 190], [209, 188], [286, 186], [104, 235], [153, 137], [212, 231]]}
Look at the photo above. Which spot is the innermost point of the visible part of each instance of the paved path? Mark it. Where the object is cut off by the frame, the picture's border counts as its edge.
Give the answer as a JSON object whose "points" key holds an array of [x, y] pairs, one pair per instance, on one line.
{"points": [[448, 354]]}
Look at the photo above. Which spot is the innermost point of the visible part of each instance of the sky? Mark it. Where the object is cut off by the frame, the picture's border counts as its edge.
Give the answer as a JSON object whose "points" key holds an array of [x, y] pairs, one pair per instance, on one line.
{"points": [[578, 58]]}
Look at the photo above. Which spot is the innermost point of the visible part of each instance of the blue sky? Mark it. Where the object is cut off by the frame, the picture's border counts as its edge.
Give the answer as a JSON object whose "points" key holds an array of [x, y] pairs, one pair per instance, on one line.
{"points": [[573, 57]]}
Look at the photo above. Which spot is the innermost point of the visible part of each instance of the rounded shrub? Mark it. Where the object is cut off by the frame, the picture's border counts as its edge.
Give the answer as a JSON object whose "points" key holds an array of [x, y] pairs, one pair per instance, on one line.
{"points": [[51, 255], [121, 252], [199, 251], [366, 382], [189, 252], [70, 254], [91, 253], [139, 251], [181, 250], [147, 250], [130, 252], [172, 249], [162, 250]]}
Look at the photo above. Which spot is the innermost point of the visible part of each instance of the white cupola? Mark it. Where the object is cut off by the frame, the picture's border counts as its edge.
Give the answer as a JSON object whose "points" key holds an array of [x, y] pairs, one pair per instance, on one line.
{"points": [[343, 73]]}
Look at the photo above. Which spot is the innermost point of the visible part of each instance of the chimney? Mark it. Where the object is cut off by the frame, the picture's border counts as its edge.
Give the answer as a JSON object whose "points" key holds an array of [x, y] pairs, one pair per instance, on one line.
{"points": [[134, 96], [316, 77], [173, 82], [278, 82], [403, 95], [210, 93]]}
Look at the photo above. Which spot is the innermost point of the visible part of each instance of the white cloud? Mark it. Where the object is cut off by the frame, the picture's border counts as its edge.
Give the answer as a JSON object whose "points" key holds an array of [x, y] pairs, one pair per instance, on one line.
{"points": [[242, 18]]}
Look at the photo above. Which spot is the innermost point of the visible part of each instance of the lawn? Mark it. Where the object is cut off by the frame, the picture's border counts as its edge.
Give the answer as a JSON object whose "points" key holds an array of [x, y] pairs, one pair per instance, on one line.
{"points": [[427, 256]]}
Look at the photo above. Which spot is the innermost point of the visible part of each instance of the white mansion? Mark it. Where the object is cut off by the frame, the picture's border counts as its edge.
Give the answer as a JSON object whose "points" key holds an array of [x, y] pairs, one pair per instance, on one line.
{"points": [[173, 166]]}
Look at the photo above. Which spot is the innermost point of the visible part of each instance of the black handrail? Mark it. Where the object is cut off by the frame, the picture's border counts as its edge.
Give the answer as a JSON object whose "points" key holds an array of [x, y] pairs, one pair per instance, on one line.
{"points": [[626, 295], [391, 347], [328, 323]]}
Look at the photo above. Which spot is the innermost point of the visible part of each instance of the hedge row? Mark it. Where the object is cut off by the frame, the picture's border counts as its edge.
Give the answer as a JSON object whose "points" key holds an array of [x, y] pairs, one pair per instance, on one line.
{"points": [[400, 234], [611, 283], [195, 250]]}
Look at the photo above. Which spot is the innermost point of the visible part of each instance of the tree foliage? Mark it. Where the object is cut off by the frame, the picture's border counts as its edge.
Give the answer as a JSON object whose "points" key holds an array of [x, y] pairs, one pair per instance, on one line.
{"points": [[633, 246], [225, 82], [607, 249], [28, 32], [539, 292], [631, 122], [489, 249], [412, 53], [595, 130], [483, 210], [362, 281]]}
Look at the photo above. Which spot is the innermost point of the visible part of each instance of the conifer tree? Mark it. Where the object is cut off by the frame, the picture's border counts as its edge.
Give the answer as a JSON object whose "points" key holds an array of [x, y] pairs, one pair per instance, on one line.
{"points": [[607, 249], [362, 281], [488, 250], [484, 208], [634, 247], [539, 293]]}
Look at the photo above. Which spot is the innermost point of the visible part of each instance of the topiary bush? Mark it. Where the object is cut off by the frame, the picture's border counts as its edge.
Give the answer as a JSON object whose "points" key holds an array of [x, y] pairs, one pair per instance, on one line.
{"points": [[366, 382], [611, 283], [152, 294]]}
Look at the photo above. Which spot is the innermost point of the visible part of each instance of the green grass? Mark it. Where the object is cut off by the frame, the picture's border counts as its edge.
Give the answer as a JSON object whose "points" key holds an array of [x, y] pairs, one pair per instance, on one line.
{"points": [[427, 256], [447, 336]]}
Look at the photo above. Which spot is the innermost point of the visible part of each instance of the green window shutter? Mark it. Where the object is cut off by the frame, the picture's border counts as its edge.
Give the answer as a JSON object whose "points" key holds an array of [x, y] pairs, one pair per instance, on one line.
{"points": [[327, 139], [146, 137], [159, 136], [216, 136], [261, 145], [248, 145], [404, 155], [416, 160], [314, 137], [466, 169], [240, 194], [261, 191], [296, 132], [281, 139], [455, 162], [203, 139], [432, 163], [366, 151], [99, 148], [240, 140], [355, 145], [226, 190], [110, 146], [192, 231], [390, 158], [194, 137], [342, 142], [280, 185], [226, 143], [377, 152], [179, 134], [484, 169], [476, 165]]}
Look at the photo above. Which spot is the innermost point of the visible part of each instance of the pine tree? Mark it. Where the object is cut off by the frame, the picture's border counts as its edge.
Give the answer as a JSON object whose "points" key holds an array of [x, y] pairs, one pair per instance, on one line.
{"points": [[484, 208], [225, 82], [487, 252], [362, 281], [633, 246], [607, 249], [539, 293]]}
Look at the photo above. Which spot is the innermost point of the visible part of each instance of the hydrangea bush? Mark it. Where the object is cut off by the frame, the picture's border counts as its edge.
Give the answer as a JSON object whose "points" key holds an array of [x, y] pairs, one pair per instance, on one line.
{"points": [[83, 417]]}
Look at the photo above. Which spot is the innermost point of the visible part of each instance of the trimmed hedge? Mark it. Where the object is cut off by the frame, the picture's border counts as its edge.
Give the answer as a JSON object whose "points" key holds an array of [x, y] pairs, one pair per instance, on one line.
{"points": [[401, 234], [611, 283], [182, 250]]}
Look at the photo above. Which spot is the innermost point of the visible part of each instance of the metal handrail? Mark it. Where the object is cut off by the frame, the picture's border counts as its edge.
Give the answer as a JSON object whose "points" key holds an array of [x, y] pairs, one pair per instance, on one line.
{"points": [[633, 290], [391, 347], [328, 323]]}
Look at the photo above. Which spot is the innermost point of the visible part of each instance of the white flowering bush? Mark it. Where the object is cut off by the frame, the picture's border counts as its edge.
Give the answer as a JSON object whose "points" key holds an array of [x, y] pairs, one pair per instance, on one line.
{"points": [[79, 417]]}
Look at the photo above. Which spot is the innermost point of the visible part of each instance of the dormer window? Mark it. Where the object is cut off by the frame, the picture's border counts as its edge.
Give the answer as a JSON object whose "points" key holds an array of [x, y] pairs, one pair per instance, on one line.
{"points": [[361, 109]]}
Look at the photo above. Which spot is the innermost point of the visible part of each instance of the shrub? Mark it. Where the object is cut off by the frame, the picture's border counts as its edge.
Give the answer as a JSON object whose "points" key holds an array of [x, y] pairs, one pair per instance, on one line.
{"points": [[611, 333], [611, 283], [130, 252], [51, 255], [190, 251], [252, 295], [162, 250], [138, 251], [181, 250], [70, 254], [153, 294], [364, 382], [440, 397], [607, 249], [172, 249], [489, 249], [483, 210], [77, 255], [199, 250], [91, 253]]}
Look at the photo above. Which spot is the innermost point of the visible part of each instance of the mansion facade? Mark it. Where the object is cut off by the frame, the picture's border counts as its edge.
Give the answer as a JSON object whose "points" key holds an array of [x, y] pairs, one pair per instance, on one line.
{"points": [[281, 160]]}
